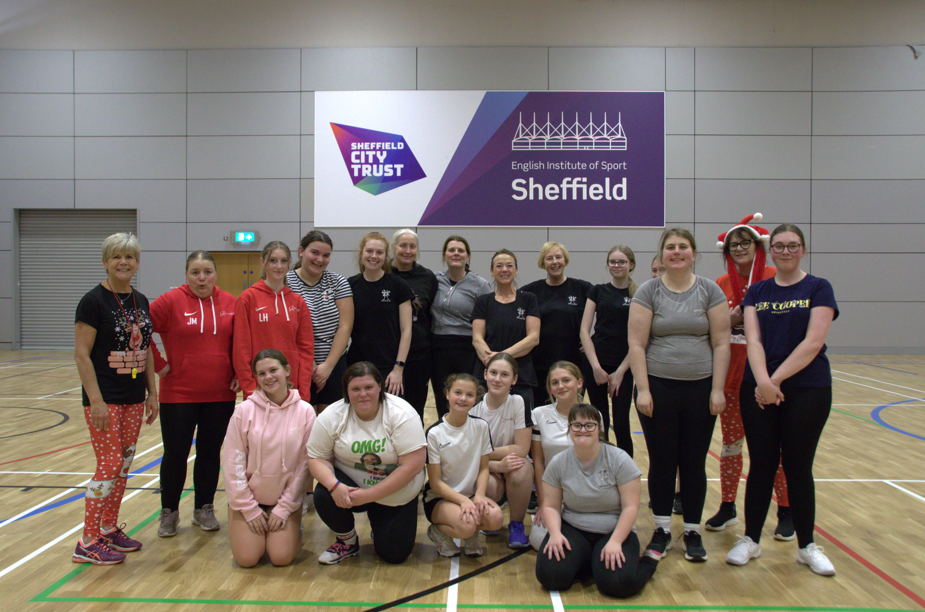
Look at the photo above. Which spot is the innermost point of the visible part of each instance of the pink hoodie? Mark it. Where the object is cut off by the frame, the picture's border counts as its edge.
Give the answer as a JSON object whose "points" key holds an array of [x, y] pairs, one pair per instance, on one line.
{"points": [[264, 458]]}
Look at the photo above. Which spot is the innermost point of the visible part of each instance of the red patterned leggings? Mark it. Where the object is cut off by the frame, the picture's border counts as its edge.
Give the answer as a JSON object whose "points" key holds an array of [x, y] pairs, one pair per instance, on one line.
{"points": [[115, 450], [730, 461]]}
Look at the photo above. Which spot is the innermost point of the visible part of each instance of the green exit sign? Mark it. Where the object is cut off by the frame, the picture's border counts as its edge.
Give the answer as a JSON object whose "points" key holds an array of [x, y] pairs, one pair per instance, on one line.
{"points": [[245, 237]]}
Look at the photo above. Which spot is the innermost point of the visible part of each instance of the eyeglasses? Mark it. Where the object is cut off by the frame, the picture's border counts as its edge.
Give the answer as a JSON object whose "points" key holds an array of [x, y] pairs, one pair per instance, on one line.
{"points": [[740, 245], [779, 247], [618, 264], [576, 427]]}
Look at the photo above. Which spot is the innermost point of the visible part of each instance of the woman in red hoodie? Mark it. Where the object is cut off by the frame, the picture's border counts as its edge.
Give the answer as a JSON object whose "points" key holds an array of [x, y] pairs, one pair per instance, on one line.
{"points": [[269, 315], [197, 389]]}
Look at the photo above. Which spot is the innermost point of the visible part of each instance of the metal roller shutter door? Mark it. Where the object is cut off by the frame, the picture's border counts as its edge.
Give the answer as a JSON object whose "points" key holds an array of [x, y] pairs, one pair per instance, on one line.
{"points": [[59, 261]]}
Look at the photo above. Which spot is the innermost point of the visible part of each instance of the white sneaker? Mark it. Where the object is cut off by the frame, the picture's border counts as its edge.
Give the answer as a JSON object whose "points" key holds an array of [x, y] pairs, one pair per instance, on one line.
{"points": [[813, 556], [744, 551], [473, 546], [446, 547], [308, 502]]}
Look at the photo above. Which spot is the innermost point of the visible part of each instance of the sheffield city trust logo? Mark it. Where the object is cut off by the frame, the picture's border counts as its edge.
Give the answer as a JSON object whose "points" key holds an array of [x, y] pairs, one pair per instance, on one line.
{"points": [[376, 161]]}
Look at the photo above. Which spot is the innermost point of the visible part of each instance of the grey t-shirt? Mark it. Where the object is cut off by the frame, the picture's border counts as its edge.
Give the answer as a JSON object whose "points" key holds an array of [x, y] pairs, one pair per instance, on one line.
{"points": [[590, 495], [679, 341]]}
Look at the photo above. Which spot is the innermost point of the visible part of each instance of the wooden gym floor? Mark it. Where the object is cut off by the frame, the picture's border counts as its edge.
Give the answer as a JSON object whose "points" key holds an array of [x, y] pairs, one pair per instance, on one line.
{"points": [[870, 509]]}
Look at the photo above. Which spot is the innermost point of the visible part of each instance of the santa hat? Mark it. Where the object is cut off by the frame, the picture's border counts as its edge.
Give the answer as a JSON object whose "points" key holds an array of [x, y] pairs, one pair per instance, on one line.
{"points": [[762, 237]]}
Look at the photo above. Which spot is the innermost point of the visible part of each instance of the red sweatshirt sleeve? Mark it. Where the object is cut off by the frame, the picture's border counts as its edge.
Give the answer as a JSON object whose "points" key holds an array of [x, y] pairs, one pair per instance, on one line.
{"points": [[242, 354], [305, 344], [160, 318]]}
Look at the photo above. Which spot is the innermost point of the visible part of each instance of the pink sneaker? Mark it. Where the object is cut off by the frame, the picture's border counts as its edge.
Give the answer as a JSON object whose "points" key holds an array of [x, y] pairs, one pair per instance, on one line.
{"points": [[97, 553], [117, 540]]}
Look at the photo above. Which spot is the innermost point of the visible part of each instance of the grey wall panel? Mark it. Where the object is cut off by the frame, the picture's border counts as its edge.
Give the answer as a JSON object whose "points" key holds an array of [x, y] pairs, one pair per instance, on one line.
{"points": [[307, 157], [728, 201], [36, 115], [869, 238], [244, 114], [755, 113], [871, 201], [6, 236], [36, 158], [753, 69], [238, 70], [875, 325], [679, 157], [6, 274], [215, 236], [158, 201], [162, 236], [159, 271], [130, 71], [872, 276], [307, 202], [753, 157], [359, 69], [6, 324], [868, 157], [131, 158], [251, 157], [600, 241], [679, 200], [679, 69], [34, 194], [512, 68], [595, 68], [490, 239], [308, 112], [130, 114], [866, 113], [866, 69], [679, 112], [23, 71], [243, 200]]}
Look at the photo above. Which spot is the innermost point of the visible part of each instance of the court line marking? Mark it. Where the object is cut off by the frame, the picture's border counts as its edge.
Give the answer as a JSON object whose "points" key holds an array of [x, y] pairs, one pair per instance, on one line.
{"points": [[47, 453], [22, 359], [875, 415], [556, 601], [452, 593], [63, 474], [915, 495], [48, 399], [59, 393], [884, 382], [918, 399]]}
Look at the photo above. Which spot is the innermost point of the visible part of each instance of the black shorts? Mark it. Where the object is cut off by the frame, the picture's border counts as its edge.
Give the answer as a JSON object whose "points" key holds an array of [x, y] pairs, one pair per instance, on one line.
{"points": [[333, 389]]}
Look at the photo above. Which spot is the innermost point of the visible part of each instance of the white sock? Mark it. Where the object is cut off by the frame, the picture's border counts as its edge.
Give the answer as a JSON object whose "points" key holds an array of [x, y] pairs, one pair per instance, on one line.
{"points": [[695, 527], [664, 522], [347, 538]]}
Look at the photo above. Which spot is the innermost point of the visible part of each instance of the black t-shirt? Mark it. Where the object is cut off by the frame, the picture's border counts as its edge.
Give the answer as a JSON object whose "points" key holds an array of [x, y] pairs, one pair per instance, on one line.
{"points": [[505, 326], [561, 309], [424, 284], [610, 338], [117, 348], [376, 328]]}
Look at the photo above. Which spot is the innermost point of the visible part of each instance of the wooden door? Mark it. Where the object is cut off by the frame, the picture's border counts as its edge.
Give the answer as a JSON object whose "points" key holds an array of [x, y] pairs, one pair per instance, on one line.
{"points": [[237, 270]]}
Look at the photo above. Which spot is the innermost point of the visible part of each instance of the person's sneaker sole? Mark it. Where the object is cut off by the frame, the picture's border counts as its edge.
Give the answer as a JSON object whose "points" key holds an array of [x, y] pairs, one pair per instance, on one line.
{"points": [[341, 558], [204, 527], [729, 523]]}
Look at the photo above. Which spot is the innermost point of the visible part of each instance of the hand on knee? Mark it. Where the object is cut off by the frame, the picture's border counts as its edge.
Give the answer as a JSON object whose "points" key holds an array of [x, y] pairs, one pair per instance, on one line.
{"points": [[494, 520]]}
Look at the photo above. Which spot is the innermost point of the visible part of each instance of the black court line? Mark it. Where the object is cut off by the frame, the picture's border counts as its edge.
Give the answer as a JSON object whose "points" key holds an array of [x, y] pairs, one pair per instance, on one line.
{"points": [[21, 374], [450, 583], [64, 419]]}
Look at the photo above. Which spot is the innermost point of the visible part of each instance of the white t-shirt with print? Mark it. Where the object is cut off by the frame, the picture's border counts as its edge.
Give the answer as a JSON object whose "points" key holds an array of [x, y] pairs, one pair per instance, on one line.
{"points": [[551, 429], [458, 451], [504, 420]]}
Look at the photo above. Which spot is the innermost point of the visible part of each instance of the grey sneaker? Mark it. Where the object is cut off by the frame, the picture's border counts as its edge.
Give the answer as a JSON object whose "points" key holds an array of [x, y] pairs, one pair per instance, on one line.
{"points": [[472, 547], [169, 520], [204, 518], [446, 547]]}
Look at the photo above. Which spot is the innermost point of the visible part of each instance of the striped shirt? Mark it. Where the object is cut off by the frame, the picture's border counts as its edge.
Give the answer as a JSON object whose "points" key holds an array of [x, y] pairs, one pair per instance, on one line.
{"points": [[321, 299]]}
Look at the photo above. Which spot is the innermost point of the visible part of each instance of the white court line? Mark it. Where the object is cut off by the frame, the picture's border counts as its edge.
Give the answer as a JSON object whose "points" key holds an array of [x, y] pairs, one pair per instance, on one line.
{"points": [[876, 389], [58, 393], [46, 399], [879, 381], [915, 495], [67, 491], [34, 554], [452, 592], [553, 595]]}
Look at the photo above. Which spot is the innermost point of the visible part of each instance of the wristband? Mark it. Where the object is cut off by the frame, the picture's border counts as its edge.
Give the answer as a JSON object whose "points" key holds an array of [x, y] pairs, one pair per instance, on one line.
{"points": [[335, 486], [399, 363]]}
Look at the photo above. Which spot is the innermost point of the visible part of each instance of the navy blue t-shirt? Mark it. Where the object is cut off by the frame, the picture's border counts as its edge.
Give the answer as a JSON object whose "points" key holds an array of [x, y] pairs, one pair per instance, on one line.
{"points": [[783, 317]]}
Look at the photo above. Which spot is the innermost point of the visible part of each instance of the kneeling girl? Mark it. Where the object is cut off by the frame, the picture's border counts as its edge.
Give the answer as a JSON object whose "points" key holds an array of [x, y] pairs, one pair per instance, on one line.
{"points": [[266, 466], [458, 449]]}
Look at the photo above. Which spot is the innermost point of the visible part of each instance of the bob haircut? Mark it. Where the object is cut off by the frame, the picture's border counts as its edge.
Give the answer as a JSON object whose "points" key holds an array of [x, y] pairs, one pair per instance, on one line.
{"points": [[122, 242], [544, 251], [359, 370]]}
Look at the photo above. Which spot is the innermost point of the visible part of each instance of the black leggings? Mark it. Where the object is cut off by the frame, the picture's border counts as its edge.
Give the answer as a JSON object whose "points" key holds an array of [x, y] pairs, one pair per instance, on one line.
{"points": [[445, 361], [789, 432], [585, 559], [209, 421], [415, 377], [678, 436], [394, 527], [597, 397]]}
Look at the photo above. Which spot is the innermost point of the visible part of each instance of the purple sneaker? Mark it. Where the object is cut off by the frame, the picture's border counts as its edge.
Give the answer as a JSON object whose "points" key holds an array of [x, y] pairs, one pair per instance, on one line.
{"points": [[516, 536], [97, 553], [117, 540]]}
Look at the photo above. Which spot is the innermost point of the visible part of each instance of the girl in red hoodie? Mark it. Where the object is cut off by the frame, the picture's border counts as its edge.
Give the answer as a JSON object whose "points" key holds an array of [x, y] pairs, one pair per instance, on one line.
{"points": [[269, 315], [197, 389], [266, 466]]}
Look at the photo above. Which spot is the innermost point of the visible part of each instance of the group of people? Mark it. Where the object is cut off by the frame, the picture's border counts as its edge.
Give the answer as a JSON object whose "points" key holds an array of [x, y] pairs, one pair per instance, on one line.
{"points": [[363, 350]]}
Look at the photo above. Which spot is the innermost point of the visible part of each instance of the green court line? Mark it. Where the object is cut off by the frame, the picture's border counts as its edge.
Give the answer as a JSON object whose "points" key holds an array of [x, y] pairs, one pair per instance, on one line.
{"points": [[854, 416]]}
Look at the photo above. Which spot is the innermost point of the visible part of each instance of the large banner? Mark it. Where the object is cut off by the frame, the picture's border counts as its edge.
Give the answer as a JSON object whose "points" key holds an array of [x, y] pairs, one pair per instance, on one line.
{"points": [[497, 158]]}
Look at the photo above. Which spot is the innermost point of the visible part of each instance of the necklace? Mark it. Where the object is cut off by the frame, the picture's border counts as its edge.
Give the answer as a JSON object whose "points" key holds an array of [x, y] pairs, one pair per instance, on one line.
{"points": [[136, 332]]}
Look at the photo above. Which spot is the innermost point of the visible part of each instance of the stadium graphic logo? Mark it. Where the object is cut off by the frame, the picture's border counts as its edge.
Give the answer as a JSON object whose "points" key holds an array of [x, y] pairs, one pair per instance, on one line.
{"points": [[376, 161], [569, 137]]}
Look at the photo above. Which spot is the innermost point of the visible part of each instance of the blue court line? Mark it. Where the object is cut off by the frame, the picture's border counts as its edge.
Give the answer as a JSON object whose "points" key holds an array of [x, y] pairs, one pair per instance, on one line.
{"points": [[885, 368], [875, 415], [23, 359], [79, 496]]}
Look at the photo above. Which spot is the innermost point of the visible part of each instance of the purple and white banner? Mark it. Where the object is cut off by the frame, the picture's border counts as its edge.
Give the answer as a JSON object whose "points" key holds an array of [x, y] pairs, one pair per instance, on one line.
{"points": [[475, 158]]}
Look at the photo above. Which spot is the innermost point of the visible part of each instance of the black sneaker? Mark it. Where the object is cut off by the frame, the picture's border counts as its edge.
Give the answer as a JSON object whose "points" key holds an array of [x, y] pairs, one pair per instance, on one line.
{"points": [[677, 508], [785, 530], [693, 547], [725, 517], [533, 505], [659, 545]]}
